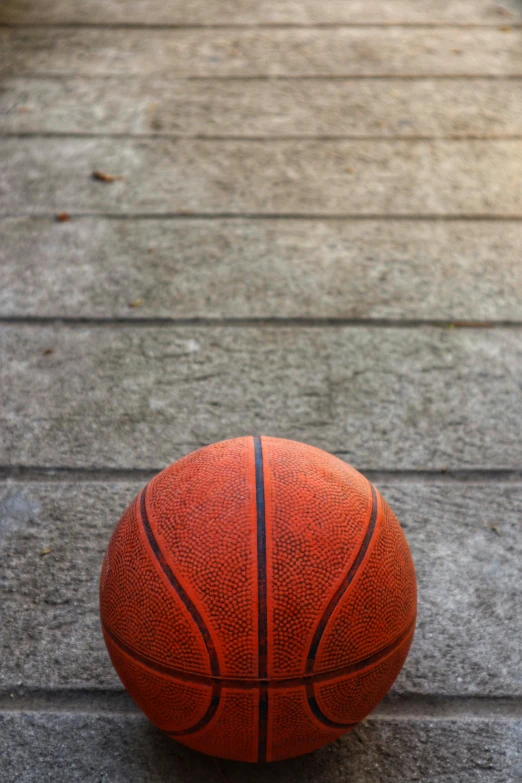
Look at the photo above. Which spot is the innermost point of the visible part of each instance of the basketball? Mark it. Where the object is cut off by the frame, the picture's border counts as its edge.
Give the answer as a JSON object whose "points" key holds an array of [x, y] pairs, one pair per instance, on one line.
{"points": [[258, 599]]}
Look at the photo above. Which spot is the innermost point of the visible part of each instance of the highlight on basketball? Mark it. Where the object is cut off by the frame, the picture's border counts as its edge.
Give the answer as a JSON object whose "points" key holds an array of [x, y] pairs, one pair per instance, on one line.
{"points": [[258, 599]]}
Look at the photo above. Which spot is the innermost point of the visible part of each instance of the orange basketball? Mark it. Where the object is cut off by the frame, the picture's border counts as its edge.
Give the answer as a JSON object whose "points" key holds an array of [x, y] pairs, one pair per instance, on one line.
{"points": [[258, 599]]}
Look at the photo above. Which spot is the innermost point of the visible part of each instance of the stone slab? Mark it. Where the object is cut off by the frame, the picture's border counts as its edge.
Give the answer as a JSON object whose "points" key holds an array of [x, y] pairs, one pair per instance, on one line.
{"points": [[126, 749], [95, 749], [257, 107], [268, 268], [411, 752], [465, 539], [343, 51], [392, 398], [186, 12], [162, 176]]}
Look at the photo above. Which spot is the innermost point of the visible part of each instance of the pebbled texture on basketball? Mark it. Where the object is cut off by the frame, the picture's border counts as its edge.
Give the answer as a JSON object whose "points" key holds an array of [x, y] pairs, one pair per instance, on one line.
{"points": [[258, 599]]}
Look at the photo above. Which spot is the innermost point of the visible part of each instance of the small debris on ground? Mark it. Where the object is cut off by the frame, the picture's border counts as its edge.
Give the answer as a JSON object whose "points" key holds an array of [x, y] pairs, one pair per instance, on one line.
{"points": [[136, 303], [45, 552], [506, 29], [47, 351], [503, 11], [102, 177], [62, 217], [495, 529]]}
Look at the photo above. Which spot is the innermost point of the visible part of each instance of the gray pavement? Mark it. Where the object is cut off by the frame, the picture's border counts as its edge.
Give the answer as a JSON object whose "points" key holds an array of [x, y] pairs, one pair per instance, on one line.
{"points": [[361, 107], [340, 269], [231, 12], [368, 178], [254, 51], [316, 235]]}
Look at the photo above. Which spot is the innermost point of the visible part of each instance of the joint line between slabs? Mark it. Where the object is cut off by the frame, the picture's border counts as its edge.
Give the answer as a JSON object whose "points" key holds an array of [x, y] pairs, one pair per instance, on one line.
{"points": [[254, 322], [503, 21], [274, 77], [180, 79], [268, 216], [264, 139], [118, 703], [63, 474]]}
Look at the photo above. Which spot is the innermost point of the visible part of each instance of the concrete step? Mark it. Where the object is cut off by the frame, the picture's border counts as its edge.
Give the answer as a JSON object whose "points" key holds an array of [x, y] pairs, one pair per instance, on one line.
{"points": [[126, 749], [312, 178], [371, 107], [464, 539], [118, 396], [391, 269], [341, 51], [199, 12]]}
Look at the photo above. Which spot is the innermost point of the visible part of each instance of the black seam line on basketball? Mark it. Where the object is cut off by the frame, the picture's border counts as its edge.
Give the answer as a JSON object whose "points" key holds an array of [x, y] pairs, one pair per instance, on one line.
{"points": [[373, 659], [370, 660], [192, 609], [319, 714], [263, 723], [376, 658], [262, 624], [206, 718], [341, 590], [250, 684], [261, 561]]}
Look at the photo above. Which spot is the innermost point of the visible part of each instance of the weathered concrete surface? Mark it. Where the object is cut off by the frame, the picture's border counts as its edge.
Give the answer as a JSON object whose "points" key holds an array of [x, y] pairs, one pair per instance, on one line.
{"points": [[126, 749], [46, 175], [382, 398], [96, 749], [248, 268], [388, 752], [287, 107], [132, 396], [257, 107], [342, 51], [465, 539], [222, 12]]}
